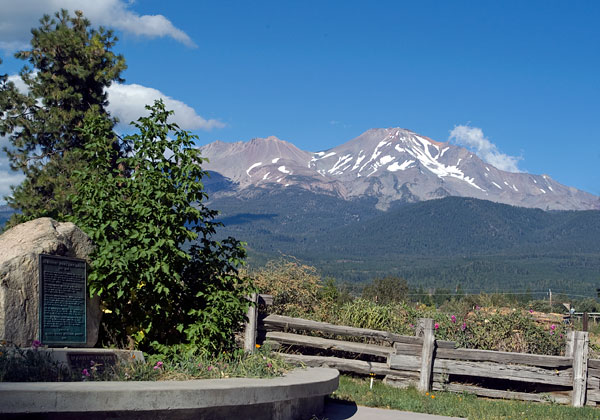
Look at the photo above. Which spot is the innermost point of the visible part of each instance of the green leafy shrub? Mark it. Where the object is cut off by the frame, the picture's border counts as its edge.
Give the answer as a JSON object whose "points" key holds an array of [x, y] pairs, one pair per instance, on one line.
{"points": [[386, 290], [295, 287], [177, 363], [162, 279], [362, 313], [515, 332]]}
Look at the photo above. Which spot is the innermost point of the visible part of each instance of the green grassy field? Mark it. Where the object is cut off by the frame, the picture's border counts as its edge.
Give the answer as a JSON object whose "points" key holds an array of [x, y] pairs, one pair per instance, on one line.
{"points": [[456, 405]]}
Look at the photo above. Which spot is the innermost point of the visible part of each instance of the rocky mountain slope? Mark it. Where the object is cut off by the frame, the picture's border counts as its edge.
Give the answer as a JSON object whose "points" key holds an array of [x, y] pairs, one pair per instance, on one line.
{"points": [[389, 165]]}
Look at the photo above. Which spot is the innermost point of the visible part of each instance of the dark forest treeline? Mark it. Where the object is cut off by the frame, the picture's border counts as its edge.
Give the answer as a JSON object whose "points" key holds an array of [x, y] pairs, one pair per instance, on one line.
{"points": [[440, 243]]}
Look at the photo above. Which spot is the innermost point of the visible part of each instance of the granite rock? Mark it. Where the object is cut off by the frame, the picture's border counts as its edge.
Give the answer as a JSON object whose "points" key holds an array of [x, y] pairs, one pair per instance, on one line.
{"points": [[20, 248]]}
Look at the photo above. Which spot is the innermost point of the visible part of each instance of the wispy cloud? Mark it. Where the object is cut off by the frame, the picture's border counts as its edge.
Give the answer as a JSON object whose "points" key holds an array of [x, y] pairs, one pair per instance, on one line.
{"points": [[8, 177], [127, 102], [473, 138], [18, 17]]}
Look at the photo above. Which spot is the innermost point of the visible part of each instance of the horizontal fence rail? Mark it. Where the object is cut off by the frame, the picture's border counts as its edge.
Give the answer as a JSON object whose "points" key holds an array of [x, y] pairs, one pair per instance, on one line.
{"points": [[431, 364]]}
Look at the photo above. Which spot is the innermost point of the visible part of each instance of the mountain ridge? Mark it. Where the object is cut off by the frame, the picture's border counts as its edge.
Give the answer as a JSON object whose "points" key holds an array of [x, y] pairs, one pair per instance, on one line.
{"points": [[477, 243], [390, 164]]}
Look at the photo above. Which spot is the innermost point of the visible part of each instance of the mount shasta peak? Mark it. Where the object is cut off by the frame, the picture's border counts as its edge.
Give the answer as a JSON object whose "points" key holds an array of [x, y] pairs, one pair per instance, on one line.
{"points": [[389, 165]]}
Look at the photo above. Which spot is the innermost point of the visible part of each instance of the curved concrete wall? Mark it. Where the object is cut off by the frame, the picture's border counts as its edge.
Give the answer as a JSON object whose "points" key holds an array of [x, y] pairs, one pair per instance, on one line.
{"points": [[297, 395]]}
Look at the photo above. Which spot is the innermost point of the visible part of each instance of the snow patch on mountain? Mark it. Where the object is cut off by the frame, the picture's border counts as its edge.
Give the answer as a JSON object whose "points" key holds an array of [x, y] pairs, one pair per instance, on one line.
{"points": [[252, 167], [400, 167], [389, 165]]}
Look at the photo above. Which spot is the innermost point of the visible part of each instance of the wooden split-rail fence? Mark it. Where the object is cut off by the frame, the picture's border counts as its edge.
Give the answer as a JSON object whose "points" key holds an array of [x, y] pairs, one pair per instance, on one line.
{"points": [[431, 364]]}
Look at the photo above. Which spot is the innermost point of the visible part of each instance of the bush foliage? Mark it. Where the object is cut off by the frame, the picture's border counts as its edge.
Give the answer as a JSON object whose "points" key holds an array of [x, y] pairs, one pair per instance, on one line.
{"points": [[35, 365], [461, 320], [143, 213], [295, 287]]}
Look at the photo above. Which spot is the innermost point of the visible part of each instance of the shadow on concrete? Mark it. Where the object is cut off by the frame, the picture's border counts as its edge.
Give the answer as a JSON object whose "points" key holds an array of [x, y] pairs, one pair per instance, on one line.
{"points": [[337, 410]]}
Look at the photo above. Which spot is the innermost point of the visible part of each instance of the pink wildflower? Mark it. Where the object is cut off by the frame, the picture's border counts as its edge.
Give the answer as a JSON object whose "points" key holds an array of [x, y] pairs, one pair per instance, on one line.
{"points": [[453, 318], [209, 368], [269, 365], [436, 326], [35, 344], [552, 327], [531, 311], [158, 365], [464, 326], [85, 372]]}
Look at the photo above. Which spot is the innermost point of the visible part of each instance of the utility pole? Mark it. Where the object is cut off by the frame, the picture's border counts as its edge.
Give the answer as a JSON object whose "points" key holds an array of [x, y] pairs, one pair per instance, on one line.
{"points": [[550, 291]]}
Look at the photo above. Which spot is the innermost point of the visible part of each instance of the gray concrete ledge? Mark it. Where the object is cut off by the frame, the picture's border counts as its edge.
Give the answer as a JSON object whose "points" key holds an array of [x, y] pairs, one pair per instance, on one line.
{"points": [[297, 395]]}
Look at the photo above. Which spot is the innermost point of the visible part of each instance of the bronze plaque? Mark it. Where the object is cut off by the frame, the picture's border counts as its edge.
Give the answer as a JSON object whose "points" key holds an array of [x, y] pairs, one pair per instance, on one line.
{"points": [[90, 361], [62, 307]]}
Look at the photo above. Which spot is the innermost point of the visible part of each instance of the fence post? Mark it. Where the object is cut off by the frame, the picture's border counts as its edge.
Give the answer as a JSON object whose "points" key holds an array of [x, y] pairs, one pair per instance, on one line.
{"points": [[580, 367], [250, 332], [426, 329], [570, 344]]}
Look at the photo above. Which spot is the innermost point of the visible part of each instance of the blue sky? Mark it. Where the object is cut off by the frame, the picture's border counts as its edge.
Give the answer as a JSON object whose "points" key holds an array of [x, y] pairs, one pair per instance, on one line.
{"points": [[523, 76]]}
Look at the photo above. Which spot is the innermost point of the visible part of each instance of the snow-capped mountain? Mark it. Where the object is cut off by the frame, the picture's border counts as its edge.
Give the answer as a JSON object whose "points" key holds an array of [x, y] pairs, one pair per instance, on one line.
{"points": [[390, 165]]}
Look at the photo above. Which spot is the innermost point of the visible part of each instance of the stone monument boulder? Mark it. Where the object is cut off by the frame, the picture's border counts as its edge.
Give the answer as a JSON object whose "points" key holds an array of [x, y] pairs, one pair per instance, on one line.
{"points": [[20, 248]]}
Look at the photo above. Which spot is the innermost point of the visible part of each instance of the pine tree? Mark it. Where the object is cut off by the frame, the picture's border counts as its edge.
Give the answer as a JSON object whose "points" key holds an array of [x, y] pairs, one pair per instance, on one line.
{"points": [[71, 67]]}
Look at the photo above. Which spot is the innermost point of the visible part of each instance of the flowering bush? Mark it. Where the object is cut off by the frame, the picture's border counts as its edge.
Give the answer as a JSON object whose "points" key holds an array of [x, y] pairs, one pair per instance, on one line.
{"points": [[25, 365], [515, 331]]}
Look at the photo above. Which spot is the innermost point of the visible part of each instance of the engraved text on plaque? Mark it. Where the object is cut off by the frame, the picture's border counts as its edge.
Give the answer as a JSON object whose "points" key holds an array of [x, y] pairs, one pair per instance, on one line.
{"points": [[62, 301]]}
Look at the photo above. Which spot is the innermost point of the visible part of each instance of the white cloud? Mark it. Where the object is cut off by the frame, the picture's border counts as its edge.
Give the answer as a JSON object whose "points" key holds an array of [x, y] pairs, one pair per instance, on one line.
{"points": [[8, 177], [473, 138], [127, 103], [18, 17], [19, 84]]}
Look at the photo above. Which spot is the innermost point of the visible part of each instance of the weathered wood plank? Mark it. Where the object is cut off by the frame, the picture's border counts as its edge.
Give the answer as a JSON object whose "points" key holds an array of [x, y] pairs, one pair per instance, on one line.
{"points": [[347, 365], [286, 322], [444, 344], [593, 372], [511, 372], [426, 354], [594, 363], [495, 393], [570, 344], [328, 344], [520, 373], [404, 362], [408, 349], [593, 395], [593, 382], [504, 357], [580, 365]]}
